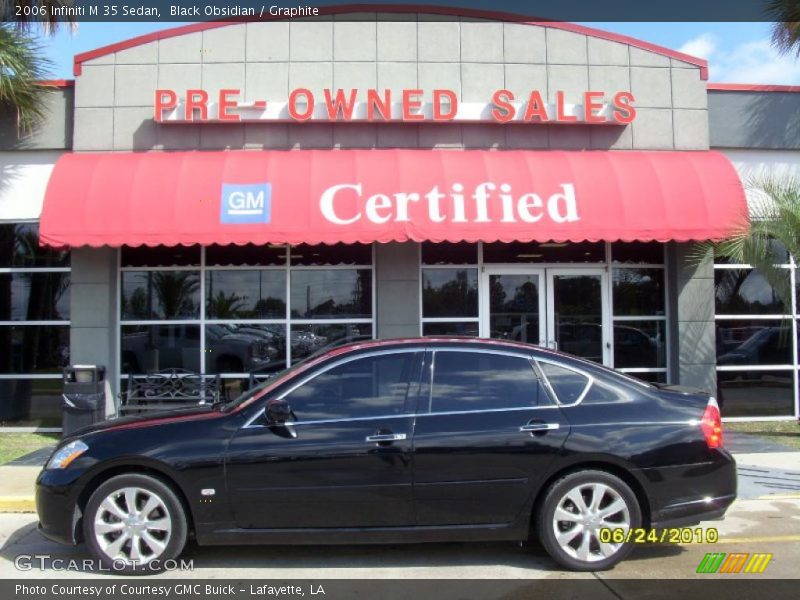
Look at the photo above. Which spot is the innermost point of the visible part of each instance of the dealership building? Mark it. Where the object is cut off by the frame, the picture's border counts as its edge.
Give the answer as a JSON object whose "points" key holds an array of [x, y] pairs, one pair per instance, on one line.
{"points": [[229, 198]]}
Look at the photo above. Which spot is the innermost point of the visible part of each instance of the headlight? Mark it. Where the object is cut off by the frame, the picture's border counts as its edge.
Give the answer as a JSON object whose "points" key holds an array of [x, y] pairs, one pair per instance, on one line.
{"points": [[66, 454]]}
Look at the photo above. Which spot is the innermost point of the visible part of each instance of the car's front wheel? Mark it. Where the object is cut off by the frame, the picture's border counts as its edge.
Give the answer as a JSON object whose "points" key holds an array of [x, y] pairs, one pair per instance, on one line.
{"points": [[584, 519], [134, 524]]}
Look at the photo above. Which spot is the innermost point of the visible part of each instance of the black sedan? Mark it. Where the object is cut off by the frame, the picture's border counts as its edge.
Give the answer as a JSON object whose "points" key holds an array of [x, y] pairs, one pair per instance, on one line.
{"points": [[399, 441]]}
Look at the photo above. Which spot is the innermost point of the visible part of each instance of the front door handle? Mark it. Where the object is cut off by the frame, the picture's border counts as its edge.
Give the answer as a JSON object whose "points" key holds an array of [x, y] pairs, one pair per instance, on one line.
{"points": [[539, 427], [385, 437]]}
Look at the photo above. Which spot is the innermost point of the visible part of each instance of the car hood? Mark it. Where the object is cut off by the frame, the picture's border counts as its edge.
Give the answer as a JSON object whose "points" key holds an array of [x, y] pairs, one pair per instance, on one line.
{"points": [[159, 417]]}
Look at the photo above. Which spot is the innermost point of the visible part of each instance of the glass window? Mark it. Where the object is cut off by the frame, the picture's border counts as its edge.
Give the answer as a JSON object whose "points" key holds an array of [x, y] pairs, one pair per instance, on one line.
{"points": [[160, 295], [30, 402], [151, 348], [638, 292], [745, 292], [335, 293], [657, 377], [365, 387], [310, 339], [334, 254], [638, 253], [160, 256], [450, 328], [755, 393], [19, 248], [640, 344], [245, 348], [238, 294], [34, 296], [482, 381], [28, 349], [450, 292], [447, 253], [753, 342], [248, 255], [568, 385], [546, 252]]}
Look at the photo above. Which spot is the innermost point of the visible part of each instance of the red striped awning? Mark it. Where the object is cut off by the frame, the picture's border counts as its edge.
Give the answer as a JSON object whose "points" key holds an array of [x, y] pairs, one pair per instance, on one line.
{"points": [[328, 196]]}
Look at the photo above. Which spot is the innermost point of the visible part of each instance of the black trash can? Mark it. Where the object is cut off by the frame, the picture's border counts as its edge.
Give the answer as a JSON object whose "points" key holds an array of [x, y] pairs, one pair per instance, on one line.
{"points": [[84, 398]]}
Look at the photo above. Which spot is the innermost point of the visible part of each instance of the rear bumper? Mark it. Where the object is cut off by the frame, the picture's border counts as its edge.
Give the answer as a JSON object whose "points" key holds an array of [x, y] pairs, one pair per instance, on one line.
{"points": [[688, 494], [692, 513]]}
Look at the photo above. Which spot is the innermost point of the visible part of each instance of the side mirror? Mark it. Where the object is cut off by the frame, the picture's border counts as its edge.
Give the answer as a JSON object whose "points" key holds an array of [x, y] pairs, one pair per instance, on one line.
{"points": [[277, 412]]}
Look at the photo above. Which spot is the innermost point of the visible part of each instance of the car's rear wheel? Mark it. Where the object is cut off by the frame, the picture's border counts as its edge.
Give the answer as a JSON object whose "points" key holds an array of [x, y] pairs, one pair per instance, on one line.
{"points": [[134, 524], [579, 515]]}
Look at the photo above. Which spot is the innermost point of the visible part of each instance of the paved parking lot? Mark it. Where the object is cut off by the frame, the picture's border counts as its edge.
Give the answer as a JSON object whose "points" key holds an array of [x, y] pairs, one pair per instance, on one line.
{"points": [[755, 525]]}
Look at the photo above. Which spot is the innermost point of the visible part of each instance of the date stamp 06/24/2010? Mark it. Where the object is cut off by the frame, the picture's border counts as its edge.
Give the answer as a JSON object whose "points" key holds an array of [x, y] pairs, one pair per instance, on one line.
{"points": [[674, 535]]}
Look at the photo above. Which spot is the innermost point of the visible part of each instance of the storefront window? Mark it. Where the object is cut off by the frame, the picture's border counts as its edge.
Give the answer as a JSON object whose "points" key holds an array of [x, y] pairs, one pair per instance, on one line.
{"points": [[34, 327], [545, 252], [446, 253], [756, 342], [243, 312], [639, 253]]}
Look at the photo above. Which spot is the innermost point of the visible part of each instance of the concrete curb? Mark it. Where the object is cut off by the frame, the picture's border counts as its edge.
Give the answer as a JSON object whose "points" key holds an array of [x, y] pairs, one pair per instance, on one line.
{"points": [[13, 504]]}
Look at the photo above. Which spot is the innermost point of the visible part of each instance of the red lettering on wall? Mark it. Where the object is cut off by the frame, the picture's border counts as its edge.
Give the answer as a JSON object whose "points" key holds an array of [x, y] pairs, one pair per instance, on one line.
{"points": [[536, 108], [591, 106], [293, 104], [561, 109], [339, 105], [225, 104], [438, 97], [624, 112], [196, 99], [503, 111], [165, 99], [411, 105], [381, 105]]}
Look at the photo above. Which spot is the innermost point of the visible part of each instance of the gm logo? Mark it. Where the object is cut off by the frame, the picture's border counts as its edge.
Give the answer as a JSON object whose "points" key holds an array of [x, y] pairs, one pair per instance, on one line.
{"points": [[246, 203]]}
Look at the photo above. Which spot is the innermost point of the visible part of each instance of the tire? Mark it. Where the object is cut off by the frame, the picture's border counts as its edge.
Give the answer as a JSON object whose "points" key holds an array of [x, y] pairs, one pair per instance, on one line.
{"points": [[104, 523], [574, 494]]}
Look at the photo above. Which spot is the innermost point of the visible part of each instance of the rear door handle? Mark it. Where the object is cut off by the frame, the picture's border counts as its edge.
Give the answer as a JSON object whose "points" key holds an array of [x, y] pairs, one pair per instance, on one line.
{"points": [[536, 427], [385, 437]]}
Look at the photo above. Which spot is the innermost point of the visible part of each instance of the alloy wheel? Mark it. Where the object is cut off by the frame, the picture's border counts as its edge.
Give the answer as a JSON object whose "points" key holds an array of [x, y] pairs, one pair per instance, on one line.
{"points": [[132, 525], [580, 515]]}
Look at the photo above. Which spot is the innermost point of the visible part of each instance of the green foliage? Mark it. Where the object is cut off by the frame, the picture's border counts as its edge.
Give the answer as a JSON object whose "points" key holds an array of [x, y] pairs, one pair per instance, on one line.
{"points": [[785, 15], [22, 65], [774, 221]]}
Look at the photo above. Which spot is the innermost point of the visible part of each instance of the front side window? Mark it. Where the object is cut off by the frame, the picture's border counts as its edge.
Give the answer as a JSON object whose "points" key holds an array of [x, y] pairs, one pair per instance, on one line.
{"points": [[464, 381], [371, 386]]}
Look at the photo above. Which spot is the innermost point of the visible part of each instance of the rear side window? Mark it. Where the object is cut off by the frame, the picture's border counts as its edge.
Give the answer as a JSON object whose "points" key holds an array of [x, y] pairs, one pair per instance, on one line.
{"points": [[481, 381], [365, 387], [568, 385]]}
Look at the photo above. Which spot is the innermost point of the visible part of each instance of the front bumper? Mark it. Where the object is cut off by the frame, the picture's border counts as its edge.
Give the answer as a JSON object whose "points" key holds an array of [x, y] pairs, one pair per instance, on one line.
{"points": [[57, 506]]}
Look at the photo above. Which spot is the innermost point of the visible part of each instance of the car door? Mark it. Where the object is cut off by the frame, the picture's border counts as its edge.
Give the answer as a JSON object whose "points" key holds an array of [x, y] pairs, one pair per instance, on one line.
{"points": [[486, 432], [344, 458]]}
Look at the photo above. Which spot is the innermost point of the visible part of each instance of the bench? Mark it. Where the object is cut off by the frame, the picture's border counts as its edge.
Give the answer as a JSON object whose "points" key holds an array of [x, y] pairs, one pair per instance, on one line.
{"points": [[169, 389]]}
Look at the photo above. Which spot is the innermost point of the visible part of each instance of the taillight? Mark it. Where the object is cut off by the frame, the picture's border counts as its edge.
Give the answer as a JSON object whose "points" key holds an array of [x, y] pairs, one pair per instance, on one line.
{"points": [[711, 424]]}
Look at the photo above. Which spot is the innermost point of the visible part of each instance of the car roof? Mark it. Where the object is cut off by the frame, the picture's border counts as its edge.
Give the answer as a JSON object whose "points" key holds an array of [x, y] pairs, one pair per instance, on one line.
{"points": [[455, 340]]}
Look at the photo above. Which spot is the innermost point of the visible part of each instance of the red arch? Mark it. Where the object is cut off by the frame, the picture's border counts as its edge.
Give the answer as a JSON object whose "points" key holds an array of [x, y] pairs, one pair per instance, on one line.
{"points": [[400, 9]]}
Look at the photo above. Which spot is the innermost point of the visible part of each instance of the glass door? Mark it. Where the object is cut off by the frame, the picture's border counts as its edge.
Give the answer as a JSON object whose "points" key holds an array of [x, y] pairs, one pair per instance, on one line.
{"points": [[578, 313], [513, 305]]}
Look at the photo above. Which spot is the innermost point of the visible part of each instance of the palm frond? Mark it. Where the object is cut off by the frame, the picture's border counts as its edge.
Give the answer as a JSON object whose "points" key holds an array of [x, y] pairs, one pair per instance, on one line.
{"points": [[785, 16], [22, 66], [45, 18]]}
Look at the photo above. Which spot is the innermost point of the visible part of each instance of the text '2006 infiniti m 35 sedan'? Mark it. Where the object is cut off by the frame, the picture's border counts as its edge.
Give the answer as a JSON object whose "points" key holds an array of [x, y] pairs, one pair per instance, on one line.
{"points": [[432, 439]]}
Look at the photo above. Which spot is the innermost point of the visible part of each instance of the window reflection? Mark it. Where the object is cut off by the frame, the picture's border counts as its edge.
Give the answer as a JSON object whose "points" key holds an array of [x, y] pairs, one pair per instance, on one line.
{"points": [[160, 256], [19, 247], [450, 328], [340, 293], [366, 387], [638, 292], [245, 294], [640, 344], [245, 348], [447, 253], [311, 339], [34, 296], [450, 292], [755, 393], [30, 402], [753, 342], [333, 254], [745, 292], [160, 295], [33, 348], [481, 381], [151, 348]]}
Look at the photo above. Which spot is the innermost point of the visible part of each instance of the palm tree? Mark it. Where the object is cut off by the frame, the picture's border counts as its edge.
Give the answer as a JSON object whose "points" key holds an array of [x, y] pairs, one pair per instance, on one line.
{"points": [[785, 15], [774, 221], [22, 66]]}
